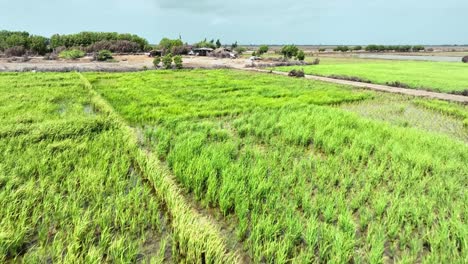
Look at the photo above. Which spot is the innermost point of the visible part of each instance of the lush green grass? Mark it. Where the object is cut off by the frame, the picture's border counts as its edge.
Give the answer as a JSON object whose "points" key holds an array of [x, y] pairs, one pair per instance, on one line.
{"points": [[437, 76], [75, 187], [302, 181], [68, 188]]}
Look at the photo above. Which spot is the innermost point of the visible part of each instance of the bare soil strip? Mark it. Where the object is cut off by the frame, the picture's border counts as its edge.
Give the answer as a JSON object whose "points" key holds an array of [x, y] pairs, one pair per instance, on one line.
{"points": [[378, 87]]}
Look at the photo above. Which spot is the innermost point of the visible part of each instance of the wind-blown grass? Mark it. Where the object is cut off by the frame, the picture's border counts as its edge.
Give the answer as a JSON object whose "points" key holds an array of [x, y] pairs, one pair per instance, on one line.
{"points": [[304, 182], [75, 187]]}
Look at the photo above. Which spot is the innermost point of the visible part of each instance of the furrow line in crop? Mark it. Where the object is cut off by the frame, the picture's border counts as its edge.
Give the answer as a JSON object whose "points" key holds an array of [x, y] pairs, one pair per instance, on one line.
{"points": [[197, 238]]}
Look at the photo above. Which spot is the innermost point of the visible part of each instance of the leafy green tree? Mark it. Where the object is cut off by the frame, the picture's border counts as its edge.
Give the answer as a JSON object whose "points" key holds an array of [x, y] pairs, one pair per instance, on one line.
{"points": [[218, 44], [418, 48], [167, 61], [168, 44], [39, 44], [262, 50], [178, 62], [205, 44], [300, 55], [234, 45], [289, 51]]}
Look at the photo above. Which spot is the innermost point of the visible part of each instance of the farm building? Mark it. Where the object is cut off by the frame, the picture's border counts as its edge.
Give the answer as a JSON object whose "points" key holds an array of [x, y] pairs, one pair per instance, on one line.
{"points": [[202, 51]]}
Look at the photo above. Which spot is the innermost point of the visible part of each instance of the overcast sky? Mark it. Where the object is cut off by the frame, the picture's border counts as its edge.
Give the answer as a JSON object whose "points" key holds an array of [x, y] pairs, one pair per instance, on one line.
{"points": [[250, 21]]}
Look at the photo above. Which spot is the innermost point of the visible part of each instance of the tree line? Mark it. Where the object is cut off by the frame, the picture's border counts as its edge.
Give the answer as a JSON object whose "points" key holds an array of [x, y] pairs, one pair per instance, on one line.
{"points": [[18, 43]]}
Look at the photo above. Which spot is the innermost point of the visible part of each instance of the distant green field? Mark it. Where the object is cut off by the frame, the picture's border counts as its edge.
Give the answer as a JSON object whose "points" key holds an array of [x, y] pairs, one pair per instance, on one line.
{"points": [[436, 76]]}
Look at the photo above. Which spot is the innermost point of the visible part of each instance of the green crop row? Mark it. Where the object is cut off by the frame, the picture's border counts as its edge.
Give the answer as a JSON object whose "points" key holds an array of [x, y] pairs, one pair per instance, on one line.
{"points": [[300, 181], [75, 187]]}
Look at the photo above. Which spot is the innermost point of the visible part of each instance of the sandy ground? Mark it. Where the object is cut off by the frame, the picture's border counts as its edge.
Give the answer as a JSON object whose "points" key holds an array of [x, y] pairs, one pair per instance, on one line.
{"points": [[123, 63]]}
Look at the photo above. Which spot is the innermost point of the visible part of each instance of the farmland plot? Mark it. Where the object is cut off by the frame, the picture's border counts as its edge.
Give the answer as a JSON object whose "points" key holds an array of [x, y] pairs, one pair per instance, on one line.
{"points": [[74, 187], [436, 76], [300, 180]]}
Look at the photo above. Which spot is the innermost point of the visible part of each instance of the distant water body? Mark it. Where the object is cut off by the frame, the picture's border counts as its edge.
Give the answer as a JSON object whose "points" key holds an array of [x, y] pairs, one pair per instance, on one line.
{"points": [[409, 57]]}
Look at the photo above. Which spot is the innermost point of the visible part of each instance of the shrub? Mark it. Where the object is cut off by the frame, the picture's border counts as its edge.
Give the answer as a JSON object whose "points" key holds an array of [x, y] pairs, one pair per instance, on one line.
{"points": [[205, 44], [289, 51], [297, 73], [17, 51], [119, 46], [300, 55], [178, 62], [157, 61], [356, 48], [50, 56], [218, 44], [103, 55], [262, 50], [418, 48], [341, 48], [316, 61], [465, 59], [167, 61], [397, 84], [322, 50], [240, 50], [72, 54]]}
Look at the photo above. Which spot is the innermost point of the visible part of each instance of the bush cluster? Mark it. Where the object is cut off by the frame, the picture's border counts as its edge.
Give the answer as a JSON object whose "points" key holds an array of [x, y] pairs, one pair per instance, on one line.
{"points": [[103, 55], [72, 54], [85, 39], [289, 51], [17, 51], [341, 48], [117, 46], [465, 59], [297, 73], [397, 48], [300, 55], [262, 50], [167, 61], [11, 40], [206, 44]]}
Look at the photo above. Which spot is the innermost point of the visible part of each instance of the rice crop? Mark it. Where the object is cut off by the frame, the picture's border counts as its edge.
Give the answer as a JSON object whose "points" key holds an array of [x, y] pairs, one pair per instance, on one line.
{"points": [[75, 187], [300, 180]]}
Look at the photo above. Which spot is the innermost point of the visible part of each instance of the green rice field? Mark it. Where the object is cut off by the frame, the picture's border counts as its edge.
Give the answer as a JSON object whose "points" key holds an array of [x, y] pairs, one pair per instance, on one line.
{"points": [[224, 166], [436, 76]]}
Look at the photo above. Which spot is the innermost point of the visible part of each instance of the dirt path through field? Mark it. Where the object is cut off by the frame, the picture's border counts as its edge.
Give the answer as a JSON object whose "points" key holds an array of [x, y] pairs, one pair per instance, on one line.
{"points": [[377, 87]]}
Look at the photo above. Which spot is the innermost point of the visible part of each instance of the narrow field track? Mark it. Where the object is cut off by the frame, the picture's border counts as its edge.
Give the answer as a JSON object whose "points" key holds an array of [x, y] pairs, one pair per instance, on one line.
{"points": [[379, 87]]}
